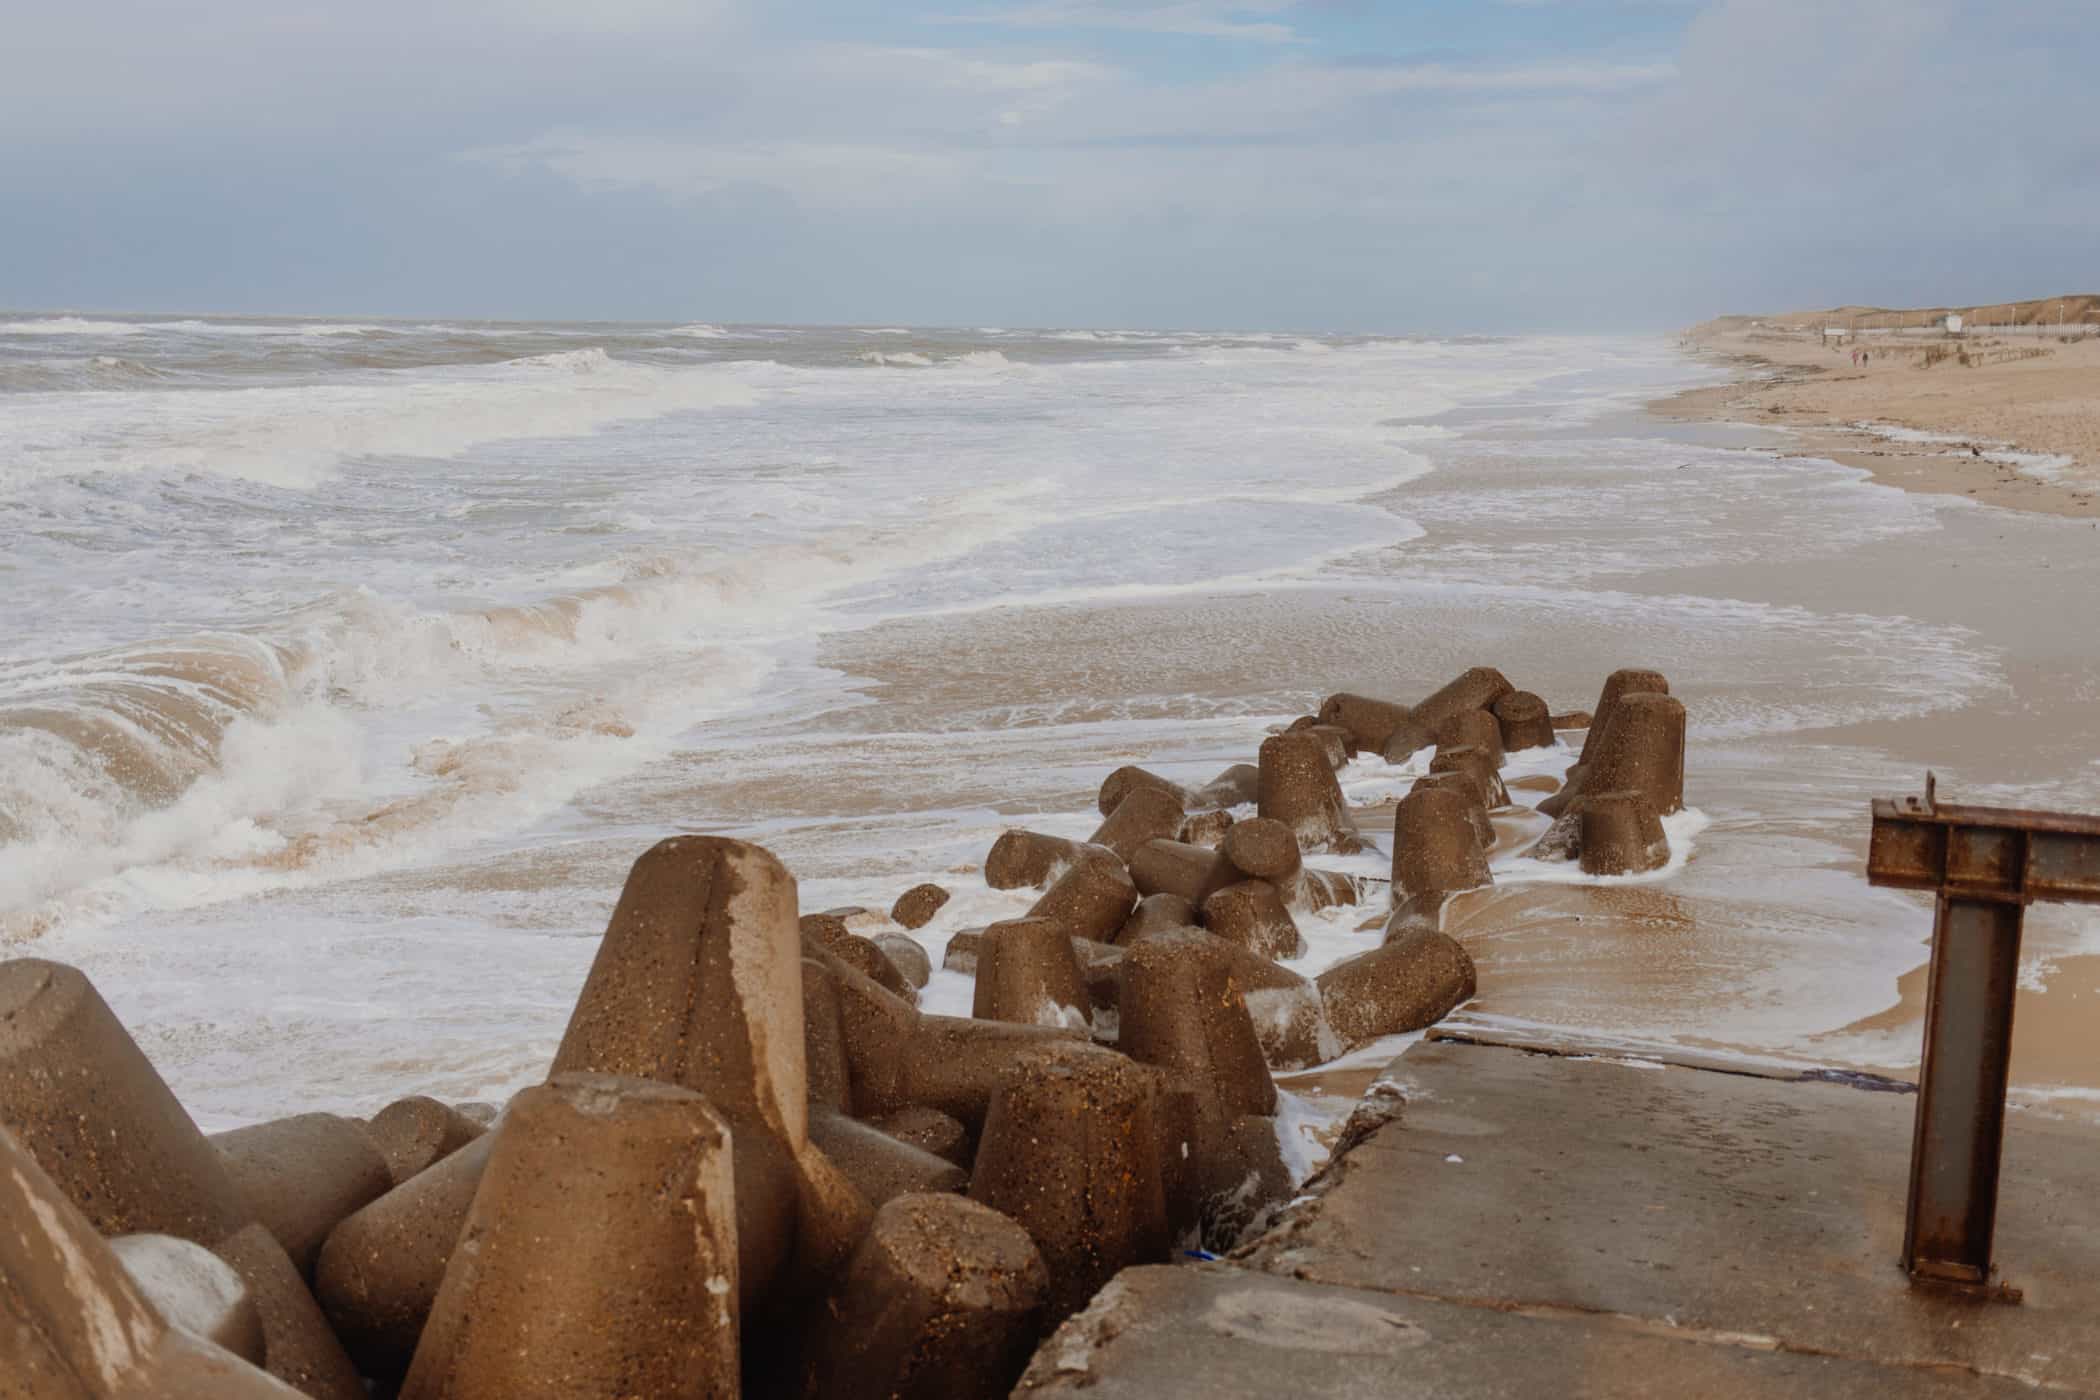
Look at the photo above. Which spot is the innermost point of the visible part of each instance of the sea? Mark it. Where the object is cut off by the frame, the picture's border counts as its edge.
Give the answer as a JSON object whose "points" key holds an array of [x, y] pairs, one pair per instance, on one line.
{"points": [[345, 665]]}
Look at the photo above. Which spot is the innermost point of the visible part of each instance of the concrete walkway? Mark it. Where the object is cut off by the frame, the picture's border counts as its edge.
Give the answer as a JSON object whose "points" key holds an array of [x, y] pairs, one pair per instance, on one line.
{"points": [[1538, 1224]]}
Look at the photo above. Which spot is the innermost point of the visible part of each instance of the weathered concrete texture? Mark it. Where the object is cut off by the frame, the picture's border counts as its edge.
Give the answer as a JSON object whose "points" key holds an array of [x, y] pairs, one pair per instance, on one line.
{"points": [[1252, 914], [1214, 1330], [1092, 898], [380, 1269], [698, 982], [1027, 972], [940, 1302], [1145, 814], [1071, 1150], [1205, 828], [1524, 721], [1298, 788], [916, 907], [1156, 913], [83, 1100], [1621, 834], [75, 1324], [1024, 859], [194, 1289], [1749, 1213], [301, 1176], [906, 956], [1171, 867], [416, 1132], [880, 1166], [1369, 722], [929, 1130], [600, 1256], [1119, 785], [1410, 981]]}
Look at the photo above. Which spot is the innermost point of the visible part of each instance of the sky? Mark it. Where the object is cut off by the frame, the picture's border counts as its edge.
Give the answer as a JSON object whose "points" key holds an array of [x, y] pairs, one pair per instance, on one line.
{"points": [[1378, 165]]}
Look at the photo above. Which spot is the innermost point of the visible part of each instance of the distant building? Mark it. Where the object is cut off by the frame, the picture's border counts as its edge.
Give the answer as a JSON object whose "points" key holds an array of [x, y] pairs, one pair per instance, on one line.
{"points": [[1951, 322]]}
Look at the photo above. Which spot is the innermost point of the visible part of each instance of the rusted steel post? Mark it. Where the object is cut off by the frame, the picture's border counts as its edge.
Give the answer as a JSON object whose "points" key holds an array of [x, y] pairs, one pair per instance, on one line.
{"points": [[1986, 864], [1961, 1090]]}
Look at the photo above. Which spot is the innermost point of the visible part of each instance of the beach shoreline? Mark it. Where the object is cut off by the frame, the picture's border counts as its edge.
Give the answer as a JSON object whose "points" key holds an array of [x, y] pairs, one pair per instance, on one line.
{"points": [[2018, 427]]}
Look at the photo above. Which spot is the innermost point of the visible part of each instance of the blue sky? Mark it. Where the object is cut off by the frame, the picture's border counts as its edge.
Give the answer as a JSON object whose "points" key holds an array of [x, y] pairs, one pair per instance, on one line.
{"points": [[1548, 164]]}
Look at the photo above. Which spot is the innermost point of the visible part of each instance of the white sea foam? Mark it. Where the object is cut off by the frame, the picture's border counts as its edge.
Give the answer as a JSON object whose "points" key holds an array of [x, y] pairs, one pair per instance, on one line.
{"points": [[70, 325], [295, 437]]}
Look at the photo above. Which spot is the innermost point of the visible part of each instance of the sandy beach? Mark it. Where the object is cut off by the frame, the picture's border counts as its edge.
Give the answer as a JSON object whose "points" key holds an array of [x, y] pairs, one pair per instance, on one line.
{"points": [[2010, 418]]}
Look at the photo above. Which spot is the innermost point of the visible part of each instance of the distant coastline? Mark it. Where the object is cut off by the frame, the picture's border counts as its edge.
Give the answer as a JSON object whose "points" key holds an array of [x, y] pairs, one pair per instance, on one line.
{"points": [[2005, 412]]}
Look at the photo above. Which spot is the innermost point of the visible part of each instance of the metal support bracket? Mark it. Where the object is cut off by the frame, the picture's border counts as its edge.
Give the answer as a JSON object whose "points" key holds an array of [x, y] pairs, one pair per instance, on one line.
{"points": [[1986, 865]]}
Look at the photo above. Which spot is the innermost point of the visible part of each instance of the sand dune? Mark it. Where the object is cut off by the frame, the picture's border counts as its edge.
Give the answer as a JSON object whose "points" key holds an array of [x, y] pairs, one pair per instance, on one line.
{"points": [[2011, 418]]}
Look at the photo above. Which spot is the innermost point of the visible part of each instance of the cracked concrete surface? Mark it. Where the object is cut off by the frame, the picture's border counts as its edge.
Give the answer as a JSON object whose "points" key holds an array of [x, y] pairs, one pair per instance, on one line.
{"points": [[1543, 1225]]}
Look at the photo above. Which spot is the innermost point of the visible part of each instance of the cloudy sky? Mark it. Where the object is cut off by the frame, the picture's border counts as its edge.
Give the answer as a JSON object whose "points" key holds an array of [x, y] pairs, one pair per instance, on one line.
{"points": [[1345, 164]]}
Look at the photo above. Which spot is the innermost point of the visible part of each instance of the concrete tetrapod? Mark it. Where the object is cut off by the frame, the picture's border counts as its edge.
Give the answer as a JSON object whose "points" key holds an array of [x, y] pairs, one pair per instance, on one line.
{"points": [[1370, 722], [1436, 851], [866, 955], [1632, 680], [881, 1166], [1027, 860], [1406, 984], [916, 907], [600, 1257], [1642, 751], [1524, 721], [1476, 729], [1268, 850], [1092, 898], [907, 957], [1183, 1011], [1070, 1150], [75, 1325], [1235, 787], [1476, 806], [1156, 913], [942, 1301], [929, 1130], [1298, 788], [960, 954], [194, 1289], [1621, 835], [698, 982], [1119, 785], [1476, 763], [1252, 914], [302, 1176], [1144, 814], [1205, 828], [957, 1063], [380, 1270], [1027, 972], [1475, 689], [1171, 867], [83, 1100], [416, 1132], [824, 1063], [1617, 686]]}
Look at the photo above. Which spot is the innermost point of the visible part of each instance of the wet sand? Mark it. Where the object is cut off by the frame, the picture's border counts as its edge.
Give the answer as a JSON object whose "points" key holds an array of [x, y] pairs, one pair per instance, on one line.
{"points": [[1832, 638], [2031, 394], [1769, 942]]}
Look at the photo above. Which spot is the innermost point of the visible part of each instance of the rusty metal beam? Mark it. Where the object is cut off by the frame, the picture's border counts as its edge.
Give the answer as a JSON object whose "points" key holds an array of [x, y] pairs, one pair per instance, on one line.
{"points": [[1986, 864]]}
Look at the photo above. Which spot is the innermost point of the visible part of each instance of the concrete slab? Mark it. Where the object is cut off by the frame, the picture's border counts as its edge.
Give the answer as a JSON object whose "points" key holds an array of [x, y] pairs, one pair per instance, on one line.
{"points": [[1750, 1211], [1218, 1331]]}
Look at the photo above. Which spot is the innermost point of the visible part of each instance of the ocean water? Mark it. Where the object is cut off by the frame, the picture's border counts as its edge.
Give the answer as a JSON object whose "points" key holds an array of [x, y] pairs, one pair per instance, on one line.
{"points": [[347, 664]]}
